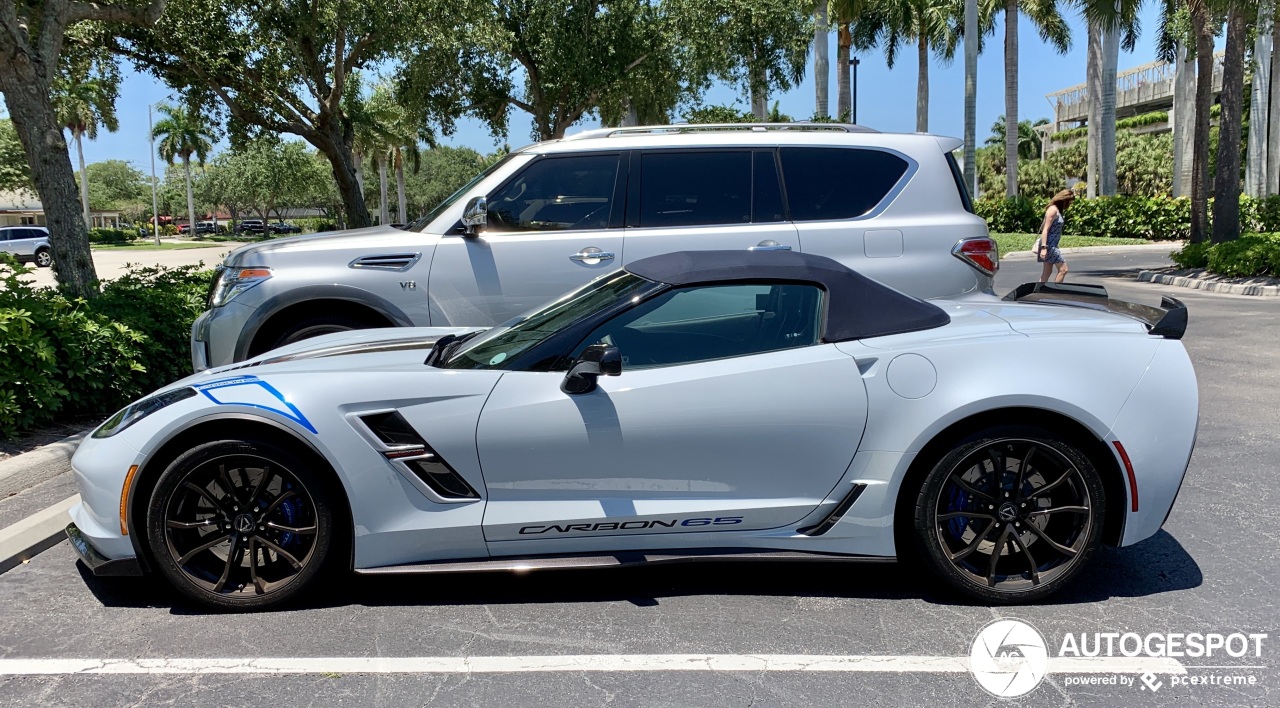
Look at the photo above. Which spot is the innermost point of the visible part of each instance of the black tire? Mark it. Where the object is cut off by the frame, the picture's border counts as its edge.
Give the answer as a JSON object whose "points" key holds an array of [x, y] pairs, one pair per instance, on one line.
{"points": [[987, 523], [44, 257], [316, 325], [240, 524]]}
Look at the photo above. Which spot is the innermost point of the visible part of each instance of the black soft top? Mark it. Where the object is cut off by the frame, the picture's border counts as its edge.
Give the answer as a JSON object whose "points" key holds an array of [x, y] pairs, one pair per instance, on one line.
{"points": [[857, 308]]}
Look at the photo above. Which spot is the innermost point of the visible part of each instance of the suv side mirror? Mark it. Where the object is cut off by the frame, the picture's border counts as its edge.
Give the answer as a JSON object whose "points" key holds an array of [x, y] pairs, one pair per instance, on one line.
{"points": [[476, 214], [596, 360]]}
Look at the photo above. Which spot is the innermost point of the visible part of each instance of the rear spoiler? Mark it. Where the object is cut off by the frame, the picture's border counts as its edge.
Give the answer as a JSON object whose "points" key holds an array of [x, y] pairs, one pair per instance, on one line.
{"points": [[1168, 321]]}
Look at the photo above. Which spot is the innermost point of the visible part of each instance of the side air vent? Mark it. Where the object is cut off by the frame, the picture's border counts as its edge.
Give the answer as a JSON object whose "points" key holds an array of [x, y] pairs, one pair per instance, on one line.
{"points": [[437, 474], [387, 261], [392, 429], [836, 514], [417, 457]]}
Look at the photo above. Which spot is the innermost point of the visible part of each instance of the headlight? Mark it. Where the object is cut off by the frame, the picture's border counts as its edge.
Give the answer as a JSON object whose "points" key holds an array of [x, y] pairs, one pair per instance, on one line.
{"points": [[233, 281], [138, 410]]}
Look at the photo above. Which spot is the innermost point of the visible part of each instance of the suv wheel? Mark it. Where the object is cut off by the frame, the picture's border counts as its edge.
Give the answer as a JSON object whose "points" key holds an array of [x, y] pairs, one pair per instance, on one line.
{"points": [[317, 325], [44, 258]]}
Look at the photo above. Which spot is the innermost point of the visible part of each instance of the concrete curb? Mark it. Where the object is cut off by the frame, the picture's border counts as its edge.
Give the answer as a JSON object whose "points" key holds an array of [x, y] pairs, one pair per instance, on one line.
{"points": [[1207, 285], [31, 468], [40, 531]]}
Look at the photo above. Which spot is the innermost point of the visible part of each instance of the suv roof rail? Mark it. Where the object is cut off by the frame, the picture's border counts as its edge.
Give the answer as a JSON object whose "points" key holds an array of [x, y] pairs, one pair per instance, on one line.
{"points": [[718, 127]]}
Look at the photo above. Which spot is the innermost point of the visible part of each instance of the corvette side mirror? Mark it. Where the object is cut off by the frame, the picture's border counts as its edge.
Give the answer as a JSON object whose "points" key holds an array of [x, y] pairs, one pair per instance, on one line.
{"points": [[595, 361], [475, 215]]}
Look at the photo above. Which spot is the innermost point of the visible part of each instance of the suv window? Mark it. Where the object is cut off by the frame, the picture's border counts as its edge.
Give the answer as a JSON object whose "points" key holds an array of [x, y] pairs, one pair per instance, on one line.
{"points": [[713, 322], [695, 188], [835, 183], [557, 194]]}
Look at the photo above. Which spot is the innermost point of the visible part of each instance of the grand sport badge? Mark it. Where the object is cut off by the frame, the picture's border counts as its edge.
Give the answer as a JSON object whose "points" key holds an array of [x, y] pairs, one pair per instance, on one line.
{"points": [[1008, 658]]}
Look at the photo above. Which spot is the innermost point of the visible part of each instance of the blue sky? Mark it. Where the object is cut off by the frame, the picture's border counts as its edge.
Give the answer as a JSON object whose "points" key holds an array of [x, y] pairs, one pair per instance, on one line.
{"points": [[886, 98]]}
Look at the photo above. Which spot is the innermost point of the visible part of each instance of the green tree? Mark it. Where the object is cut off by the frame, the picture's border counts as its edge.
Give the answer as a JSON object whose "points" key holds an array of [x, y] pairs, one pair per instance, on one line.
{"points": [[1054, 32], [14, 173], [83, 101], [757, 45], [281, 66], [925, 24], [117, 186], [718, 114], [1203, 28], [33, 34], [183, 134], [856, 26], [575, 58], [1026, 140], [444, 171]]}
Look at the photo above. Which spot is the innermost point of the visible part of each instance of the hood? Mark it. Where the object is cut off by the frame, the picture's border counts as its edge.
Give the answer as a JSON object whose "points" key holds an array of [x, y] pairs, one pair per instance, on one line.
{"points": [[371, 237], [364, 349]]}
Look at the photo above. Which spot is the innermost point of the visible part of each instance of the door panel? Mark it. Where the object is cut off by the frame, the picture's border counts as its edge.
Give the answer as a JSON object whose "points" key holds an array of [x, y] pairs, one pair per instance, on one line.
{"points": [[747, 443], [548, 232]]}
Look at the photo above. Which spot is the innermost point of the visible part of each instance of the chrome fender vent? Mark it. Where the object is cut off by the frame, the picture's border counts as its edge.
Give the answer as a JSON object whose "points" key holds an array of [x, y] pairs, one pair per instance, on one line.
{"points": [[387, 261]]}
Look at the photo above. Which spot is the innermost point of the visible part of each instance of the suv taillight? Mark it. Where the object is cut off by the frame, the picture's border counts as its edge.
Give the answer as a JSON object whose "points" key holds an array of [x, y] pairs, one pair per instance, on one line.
{"points": [[981, 253]]}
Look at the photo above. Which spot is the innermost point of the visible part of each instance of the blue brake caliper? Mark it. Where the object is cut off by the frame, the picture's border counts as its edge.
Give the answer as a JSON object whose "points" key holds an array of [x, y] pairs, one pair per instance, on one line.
{"points": [[290, 511]]}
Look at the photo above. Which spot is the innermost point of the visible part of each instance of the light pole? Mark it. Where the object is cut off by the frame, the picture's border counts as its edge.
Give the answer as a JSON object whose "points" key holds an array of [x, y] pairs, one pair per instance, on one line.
{"points": [[853, 109]]}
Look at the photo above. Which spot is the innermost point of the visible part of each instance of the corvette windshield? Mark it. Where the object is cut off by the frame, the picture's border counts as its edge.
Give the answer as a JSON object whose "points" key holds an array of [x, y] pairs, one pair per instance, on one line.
{"points": [[498, 347]]}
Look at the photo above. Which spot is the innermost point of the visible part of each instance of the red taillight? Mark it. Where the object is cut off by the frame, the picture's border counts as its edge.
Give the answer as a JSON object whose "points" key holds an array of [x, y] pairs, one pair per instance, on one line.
{"points": [[981, 253], [1128, 469]]}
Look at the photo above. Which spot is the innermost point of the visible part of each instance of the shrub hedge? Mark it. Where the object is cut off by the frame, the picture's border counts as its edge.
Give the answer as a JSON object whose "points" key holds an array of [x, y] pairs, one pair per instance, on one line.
{"points": [[1250, 255], [1150, 218], [71, 357], [111, 236]]}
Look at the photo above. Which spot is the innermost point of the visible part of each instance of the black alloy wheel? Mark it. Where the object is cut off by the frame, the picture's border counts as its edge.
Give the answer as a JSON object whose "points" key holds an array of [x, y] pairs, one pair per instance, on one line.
{"points": [[239, 524], [317, 325], [1011, 516]]}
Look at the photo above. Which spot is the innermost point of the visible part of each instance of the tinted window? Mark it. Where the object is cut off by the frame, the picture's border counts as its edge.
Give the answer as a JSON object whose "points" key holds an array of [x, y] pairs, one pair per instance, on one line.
{"points": [[713, 322], [767, 205], [833, 183], [556, 194], [695, 188]]}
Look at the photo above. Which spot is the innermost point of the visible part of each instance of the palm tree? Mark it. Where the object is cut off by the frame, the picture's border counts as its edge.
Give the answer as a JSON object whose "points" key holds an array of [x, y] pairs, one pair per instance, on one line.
{"points": [[1273, 136], [1053, 30], [1259, 105], [857, 25], [1203, 29], [1226, 189], [821, 64], [1026, 139], [924, 24], [184, 134], [1171, 46], [1106, 19], [82, 104]]}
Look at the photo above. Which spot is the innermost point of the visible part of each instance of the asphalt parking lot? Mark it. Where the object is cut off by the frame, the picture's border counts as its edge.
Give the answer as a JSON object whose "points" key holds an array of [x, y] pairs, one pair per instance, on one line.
{"points": [[1213, 569]]}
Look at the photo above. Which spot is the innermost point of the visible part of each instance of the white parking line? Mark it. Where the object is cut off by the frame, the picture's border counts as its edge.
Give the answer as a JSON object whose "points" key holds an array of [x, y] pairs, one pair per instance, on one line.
{"points": [[589, 662]]}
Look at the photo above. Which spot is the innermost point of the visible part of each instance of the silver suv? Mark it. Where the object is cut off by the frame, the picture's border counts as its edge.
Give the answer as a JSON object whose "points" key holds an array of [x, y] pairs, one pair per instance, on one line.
{"points": [[553, 215], [27, 243]]}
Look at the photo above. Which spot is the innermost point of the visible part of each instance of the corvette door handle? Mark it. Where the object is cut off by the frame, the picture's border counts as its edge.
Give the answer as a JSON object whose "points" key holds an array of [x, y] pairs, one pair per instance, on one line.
{"points": [[588, 254], [769, 246]]}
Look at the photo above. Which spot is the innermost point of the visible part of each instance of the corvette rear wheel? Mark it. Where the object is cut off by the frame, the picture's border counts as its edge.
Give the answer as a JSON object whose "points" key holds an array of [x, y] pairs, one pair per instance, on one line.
{"points": [[1011, 515], [239, 524]]}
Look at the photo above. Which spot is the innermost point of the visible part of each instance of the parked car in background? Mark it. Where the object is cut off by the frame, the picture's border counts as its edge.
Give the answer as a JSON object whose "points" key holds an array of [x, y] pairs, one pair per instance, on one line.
{"points": [[27, 244], [284, 227], [249, 226], [552, 216]]}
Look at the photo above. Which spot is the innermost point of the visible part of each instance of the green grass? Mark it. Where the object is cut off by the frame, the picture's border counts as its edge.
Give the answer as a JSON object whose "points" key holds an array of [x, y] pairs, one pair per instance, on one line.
{"points": [[1010, 243], [151, 246]]}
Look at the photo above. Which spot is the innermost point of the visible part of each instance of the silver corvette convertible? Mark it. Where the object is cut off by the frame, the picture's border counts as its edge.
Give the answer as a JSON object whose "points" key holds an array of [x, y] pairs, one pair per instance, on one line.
{"points": [[693, 406]]}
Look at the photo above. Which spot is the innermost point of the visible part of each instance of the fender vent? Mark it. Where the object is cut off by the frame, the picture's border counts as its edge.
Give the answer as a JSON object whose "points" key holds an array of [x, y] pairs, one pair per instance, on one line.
{"points": [[410, 449], [836, 514], [387, 261]]}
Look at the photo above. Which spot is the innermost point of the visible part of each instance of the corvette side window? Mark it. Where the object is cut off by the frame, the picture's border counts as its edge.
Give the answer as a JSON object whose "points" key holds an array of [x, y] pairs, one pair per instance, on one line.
{"points": [[713, 322], [556, 194]]}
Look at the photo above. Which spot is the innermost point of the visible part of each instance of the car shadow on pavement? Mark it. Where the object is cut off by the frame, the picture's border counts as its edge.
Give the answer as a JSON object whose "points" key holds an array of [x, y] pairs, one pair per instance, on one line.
{"points": [[1158, 565]]}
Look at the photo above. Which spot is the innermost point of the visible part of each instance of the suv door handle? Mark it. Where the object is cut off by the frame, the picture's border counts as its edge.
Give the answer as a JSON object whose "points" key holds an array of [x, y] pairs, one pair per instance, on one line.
{"points": [[587, 254], [769, 246]]}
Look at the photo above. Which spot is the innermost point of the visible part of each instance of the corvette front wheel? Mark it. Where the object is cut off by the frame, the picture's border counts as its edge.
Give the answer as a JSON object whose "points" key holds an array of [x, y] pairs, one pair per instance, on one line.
{"points": [[239, 525], [1011, 515]]}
